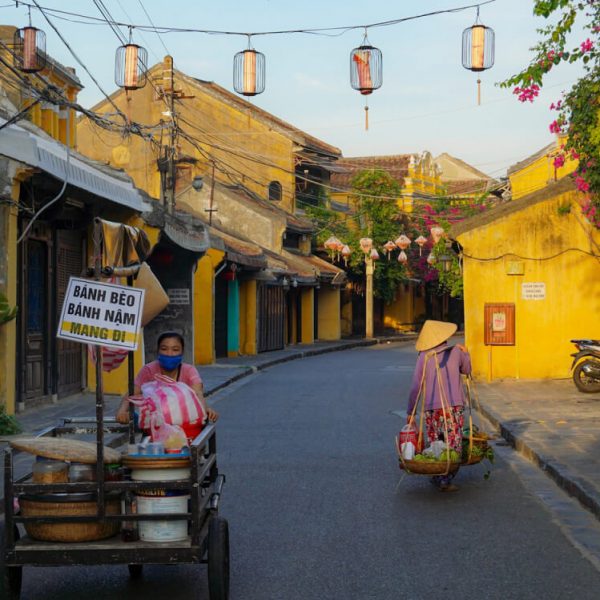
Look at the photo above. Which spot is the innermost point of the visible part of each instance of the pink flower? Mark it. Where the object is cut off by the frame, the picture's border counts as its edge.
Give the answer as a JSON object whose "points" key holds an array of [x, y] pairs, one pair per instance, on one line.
{"points": [[559, 161], [554, 127], [581, 184], [527, 93], [586, 46]]}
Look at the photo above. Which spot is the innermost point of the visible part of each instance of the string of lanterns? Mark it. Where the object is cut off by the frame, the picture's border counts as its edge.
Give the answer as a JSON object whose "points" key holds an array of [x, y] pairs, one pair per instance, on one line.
{"points": [[249, 66], [338, 250]]}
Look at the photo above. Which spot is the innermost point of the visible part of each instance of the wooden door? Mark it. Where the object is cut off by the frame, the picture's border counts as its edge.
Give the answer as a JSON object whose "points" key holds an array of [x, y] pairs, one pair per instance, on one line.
{"points": [[271, 314], [35, 320], [69, 263]]}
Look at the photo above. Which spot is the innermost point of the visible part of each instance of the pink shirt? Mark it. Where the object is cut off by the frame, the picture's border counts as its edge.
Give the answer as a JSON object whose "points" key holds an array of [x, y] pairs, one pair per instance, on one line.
{"points": [[187, 374]]}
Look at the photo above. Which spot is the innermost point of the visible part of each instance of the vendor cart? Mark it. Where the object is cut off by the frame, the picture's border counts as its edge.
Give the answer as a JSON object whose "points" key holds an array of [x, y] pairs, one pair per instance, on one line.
{"points": [[207, 538]]}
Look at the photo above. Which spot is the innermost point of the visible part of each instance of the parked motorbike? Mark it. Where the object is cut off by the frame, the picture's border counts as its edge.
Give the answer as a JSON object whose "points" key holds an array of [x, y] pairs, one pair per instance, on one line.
{"points": [[586, 365]]}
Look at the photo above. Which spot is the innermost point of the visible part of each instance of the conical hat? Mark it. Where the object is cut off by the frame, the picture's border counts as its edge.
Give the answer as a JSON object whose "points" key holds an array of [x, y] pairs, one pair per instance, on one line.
{"points": [[433, 334]]}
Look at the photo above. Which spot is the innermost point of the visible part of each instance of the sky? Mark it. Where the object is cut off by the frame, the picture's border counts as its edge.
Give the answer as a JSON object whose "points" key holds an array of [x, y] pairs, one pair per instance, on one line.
{"points": [[428, 101]]}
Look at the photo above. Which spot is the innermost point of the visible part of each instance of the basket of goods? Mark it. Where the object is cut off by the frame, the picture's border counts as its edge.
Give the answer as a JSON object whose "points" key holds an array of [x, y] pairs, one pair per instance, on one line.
{"points": [[436, 459], [475, 446]]}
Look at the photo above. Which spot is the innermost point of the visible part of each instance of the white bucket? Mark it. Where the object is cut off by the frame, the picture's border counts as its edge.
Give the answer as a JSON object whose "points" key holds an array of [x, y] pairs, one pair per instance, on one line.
{"points": [[161, 474], [162, 531]]}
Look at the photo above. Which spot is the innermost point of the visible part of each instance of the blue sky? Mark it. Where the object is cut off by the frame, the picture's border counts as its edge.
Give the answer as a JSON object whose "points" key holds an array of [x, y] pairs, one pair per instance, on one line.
{"points": [[427, 101]]}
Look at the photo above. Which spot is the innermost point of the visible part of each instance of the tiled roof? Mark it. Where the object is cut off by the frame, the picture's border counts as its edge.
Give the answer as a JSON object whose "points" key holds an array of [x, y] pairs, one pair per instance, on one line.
{"points": [[530, 159], [467, 186], [395, 164]]}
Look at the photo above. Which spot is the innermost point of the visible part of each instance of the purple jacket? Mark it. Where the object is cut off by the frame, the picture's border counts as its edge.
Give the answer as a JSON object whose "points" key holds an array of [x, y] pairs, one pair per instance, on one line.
{"points": [[452, 362]]}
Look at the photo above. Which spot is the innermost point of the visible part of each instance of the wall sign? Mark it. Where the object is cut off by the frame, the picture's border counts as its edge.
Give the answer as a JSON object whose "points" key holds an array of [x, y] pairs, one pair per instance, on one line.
{"points": [[101, 313], [533, 291], [179, 295]]}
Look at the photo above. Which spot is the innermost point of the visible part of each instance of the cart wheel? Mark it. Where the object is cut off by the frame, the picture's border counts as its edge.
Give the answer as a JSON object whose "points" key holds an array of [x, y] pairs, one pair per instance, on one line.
{"points": [[135, 571], [218, 559], [10, 577]]}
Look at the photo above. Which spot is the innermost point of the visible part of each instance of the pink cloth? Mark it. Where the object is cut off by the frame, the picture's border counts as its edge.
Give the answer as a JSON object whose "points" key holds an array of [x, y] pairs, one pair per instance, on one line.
{"points": [[187, 374]]}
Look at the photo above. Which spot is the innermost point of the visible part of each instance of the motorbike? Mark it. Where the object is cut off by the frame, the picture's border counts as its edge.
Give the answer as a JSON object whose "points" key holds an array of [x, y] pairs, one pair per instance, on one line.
{"points": [[586, 365]]}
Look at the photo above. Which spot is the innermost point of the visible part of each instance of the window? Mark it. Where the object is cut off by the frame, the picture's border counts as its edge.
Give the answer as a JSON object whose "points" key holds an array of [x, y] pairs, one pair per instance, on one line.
{"points": [[275, 191]]}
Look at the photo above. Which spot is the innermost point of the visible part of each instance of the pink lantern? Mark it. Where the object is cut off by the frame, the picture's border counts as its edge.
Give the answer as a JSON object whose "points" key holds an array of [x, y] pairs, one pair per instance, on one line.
{"points": [[340, 246], [403, 242], [374, 254], [346, 252], [421, 241], [431, 259], [389, 246], [331, 243], [366, 244], [436, 233], [402, 258]]}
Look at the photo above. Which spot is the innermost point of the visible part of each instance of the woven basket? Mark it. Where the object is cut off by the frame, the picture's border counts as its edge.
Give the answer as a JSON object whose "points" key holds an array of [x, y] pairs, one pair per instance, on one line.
{"points": [[69, 532], [429, 468], [473, 460]]}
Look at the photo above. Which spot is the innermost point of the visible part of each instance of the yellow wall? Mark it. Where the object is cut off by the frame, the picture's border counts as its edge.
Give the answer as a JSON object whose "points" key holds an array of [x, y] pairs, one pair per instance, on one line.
{"points": [[400, 314], [307, 299], [204, 307], [329, 325], [539, 173], [572, 280], [248, 317]]}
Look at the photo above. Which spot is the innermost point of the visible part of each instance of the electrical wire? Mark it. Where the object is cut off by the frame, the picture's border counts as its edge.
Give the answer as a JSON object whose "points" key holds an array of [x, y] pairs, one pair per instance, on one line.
{"points": [[152, 23], [325, 31], [542, 258]]}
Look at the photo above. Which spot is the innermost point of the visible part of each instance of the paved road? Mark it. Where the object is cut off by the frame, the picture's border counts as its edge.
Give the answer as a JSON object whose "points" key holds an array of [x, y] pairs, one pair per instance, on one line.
{"points": [[317, 511]]}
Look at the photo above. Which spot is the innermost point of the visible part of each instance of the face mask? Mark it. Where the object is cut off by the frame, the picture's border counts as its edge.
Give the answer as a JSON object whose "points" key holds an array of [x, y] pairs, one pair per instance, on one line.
{"points": [[169, 363]]}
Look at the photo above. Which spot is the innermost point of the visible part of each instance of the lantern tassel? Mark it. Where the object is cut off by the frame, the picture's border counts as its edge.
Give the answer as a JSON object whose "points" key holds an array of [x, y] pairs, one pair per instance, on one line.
{"points": [[478, 92], [366, 117]]}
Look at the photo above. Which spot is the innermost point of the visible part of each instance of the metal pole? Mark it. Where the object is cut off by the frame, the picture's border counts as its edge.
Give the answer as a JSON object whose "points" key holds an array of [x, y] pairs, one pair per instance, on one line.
{"points": [[369, 298], [99, 386]]}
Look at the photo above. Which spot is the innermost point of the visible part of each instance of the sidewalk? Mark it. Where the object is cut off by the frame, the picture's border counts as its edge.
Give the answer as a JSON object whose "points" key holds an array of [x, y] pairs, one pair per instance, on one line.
{"points": [[555, 426], [549, 421]]}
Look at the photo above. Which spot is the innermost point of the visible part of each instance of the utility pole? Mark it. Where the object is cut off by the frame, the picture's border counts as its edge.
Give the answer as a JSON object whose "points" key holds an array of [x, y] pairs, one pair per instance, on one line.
{"points": [[369, 264]]}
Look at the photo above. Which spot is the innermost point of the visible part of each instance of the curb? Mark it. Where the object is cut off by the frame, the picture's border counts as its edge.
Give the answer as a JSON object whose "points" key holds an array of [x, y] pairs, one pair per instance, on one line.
{"points": [[305, 354], [559, 473]]}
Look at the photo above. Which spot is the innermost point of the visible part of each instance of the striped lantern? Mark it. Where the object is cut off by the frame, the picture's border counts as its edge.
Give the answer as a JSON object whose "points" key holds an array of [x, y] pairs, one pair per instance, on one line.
{"points": [[366, 71], [478, 43], [29, 49], [249, 72], [131, 64]]}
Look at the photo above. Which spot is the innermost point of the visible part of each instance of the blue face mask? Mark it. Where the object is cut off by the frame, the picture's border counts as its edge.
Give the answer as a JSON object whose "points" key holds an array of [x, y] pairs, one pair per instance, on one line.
{"points": [[169, 363]]}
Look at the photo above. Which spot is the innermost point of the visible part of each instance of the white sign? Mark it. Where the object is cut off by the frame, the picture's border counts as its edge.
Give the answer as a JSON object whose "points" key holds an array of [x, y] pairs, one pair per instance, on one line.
{"points": [[499, 321], [101, 313], [533, 291], [179, 295]]}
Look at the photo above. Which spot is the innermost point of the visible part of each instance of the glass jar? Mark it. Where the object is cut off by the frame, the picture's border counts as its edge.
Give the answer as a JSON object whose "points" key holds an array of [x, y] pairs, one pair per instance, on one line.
{"points": [[46, 470]]}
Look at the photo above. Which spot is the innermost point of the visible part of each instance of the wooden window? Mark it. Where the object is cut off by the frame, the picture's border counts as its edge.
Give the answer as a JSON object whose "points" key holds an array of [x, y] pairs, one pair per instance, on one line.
{"points": [[499, 324], [275, 191]]}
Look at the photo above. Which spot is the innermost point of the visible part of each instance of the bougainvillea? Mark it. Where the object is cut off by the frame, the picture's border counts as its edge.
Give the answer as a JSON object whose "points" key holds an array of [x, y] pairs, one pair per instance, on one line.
{"points": [[578, 111]]}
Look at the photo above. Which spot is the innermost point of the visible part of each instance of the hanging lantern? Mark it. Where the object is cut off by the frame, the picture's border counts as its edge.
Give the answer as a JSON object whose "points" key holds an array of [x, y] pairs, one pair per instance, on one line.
{"points": [[478, 49], [366, 71], [29, 49], [389, 246], [436, 233], [331, 243], [346, 252], [366, 244], [249, 72], [421, 241], [431, 259], [131, 64], [402, 258], [403, 242], [374, 254]]}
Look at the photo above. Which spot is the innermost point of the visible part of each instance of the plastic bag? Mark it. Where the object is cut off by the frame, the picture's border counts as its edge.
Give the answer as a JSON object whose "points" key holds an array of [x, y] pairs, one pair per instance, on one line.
{"points": [[172, 437], [176, 400]]}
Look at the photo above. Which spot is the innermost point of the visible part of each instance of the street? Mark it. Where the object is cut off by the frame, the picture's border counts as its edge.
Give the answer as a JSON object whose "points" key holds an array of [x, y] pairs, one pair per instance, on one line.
{"points": [[318, 508]]}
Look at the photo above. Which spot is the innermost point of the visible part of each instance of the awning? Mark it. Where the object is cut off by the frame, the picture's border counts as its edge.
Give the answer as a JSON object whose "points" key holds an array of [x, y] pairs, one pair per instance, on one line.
{"points": [[238, 251], [50, 156]]}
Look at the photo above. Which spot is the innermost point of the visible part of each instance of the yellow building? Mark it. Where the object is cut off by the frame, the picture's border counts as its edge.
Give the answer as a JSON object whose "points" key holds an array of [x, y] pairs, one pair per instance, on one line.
{"points": [[254, 168], [531, 275]]}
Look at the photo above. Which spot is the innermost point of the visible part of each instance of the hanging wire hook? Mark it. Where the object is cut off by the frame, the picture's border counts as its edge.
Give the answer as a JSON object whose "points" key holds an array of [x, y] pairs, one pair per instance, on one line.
{"points": [[131, 34], [365, 41], [249, 41]]}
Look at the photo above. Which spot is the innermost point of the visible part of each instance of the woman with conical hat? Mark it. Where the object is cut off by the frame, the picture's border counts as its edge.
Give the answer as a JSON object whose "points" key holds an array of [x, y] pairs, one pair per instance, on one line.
{"points": [[443, 393]]}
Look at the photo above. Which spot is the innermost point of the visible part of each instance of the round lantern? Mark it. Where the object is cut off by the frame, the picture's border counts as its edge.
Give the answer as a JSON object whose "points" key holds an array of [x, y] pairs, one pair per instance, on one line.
{"points": [[421, 241], [131, 64], [436, 233], [331, 243], [478, 49], [366, 244], [388, 247], [403, 242], [402, 258], [249, 72], [366, 71], [29, 49], [346, 252]]}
